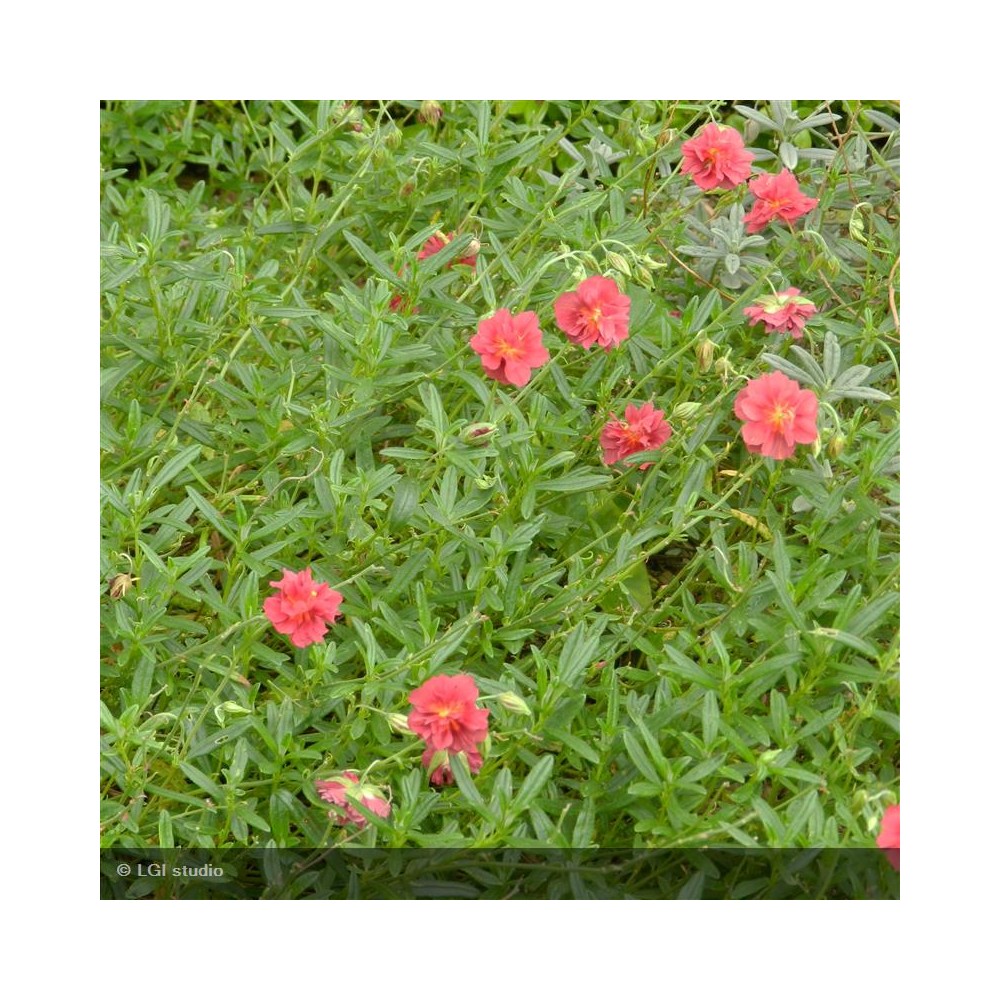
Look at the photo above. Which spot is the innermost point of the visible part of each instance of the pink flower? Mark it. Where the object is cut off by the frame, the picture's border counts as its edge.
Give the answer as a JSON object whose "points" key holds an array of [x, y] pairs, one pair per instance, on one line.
{"points": [[642, 429], [888, 835], [716, 158], [778, 197], [785, 312], [345, 789], [439, 241], [442, 774], [301, 607], [595, 312], [445, 715], [510, 346], [777, 415]]}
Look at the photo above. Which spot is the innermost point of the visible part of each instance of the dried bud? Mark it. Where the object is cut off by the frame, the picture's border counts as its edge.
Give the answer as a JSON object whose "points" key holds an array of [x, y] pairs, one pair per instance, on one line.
{"points": [[666, 136], [619, 263], [430, 112], [836, 445], [472, 249], [478, 433], [705, 352], [120, 584], [398, 723], [514, 703]]}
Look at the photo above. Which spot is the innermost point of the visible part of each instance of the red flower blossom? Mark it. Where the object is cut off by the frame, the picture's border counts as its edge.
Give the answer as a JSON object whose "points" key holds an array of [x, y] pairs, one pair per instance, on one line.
{"points": [[445, 715], [716, 158], [442, 774], [595, 312], [345, 789], [785, 312], [888, 835], [439, 241], [642, 429], [777, 415], [510, 346], [301, 607], [778, 197]]}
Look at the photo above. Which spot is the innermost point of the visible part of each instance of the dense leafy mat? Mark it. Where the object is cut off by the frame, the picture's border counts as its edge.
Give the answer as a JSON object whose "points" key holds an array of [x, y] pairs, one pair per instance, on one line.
{"points": [[701, 652]]}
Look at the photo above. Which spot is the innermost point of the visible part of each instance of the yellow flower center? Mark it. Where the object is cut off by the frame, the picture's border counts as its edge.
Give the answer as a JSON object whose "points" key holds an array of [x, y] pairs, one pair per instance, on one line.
{"points": [[312, 593], [508, 350], [779, 416], [632, 436]]}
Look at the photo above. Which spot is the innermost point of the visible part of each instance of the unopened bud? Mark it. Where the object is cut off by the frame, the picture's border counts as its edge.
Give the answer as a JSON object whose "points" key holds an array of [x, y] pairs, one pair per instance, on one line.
{"points": [[514, 703], [399, 724], [836, 445], [120, 585], [478, 433], [644, 277], [685, 411], [705, 352], [723, 368], [393, 137], [430, 112], [619, 263], [472, 249]]}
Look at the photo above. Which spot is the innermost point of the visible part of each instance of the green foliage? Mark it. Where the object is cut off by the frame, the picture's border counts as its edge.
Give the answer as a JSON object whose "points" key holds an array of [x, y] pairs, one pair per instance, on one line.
{"points": [[708, 649]]}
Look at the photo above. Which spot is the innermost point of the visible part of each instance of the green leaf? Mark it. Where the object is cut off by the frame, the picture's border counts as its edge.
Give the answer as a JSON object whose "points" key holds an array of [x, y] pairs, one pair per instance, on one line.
{"points": [[638, 757], [532, 784], [174, 466], [405, 499], [575, 482], [368, 255], [579, 653], [709, 718], [202, 780]]}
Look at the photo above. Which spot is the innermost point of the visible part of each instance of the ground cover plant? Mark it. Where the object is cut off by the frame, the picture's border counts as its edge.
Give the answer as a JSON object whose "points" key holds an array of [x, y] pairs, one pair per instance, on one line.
{"points": [[517, 477]]}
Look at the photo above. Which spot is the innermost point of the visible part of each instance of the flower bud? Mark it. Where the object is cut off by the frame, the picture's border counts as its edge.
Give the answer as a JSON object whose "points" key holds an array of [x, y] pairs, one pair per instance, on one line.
{"points": [[472, 249], [836, 445], [514, 703], [393, 137], [478, 433], [685, 411], [430, 112], [723, 368], [398, 723], [619, 263], [644, 277], [120, 585], [705, 352]]}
